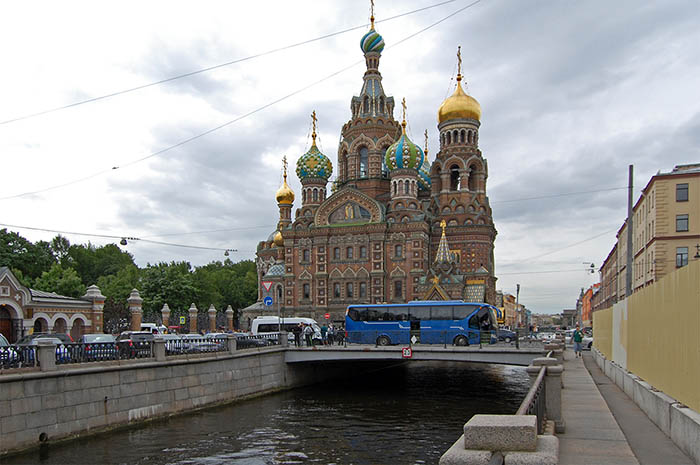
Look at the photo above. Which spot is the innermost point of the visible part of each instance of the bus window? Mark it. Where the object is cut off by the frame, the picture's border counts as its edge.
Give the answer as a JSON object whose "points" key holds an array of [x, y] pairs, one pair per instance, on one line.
{"points": [[474, 321], [354, 314], [463, 311], [386, 316], [398, 313], [441, 312]]}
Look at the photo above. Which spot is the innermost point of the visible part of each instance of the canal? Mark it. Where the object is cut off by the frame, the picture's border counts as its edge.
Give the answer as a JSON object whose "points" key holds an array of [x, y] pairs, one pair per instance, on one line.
{"points": [[408, 414]]}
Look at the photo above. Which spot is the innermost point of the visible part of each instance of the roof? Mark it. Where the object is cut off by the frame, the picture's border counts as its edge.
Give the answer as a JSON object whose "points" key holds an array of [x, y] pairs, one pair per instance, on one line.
{"points": [[52, 295]]}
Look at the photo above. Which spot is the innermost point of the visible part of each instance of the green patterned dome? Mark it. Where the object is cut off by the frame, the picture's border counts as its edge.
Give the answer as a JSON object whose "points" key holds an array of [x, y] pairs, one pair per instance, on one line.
{"points": [[424, 181], [314, 164], [404, 154], [372, 42]]}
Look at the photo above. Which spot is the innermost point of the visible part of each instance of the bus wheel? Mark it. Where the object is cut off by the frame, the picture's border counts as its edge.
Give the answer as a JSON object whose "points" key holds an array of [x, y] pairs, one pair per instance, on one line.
{"points": [[383, 341], [461, 341], [507, 340]]}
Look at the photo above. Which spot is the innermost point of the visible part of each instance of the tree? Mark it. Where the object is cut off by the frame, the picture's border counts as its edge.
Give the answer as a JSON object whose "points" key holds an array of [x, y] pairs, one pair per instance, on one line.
{"points": [[170, 283], [92, 262], [63, 281], [20, 254], [60, 246], [116, 289]]}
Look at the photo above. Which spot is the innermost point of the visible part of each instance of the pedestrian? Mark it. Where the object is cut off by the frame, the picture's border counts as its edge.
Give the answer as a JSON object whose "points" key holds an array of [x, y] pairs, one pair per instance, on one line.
{"points": [[308, 334], [578, 339], [331, 334], [324, 334], [297, 334]]}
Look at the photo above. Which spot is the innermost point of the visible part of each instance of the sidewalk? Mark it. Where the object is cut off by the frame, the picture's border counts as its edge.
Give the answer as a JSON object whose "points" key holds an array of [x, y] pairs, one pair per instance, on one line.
{"points": [[604, 426]]}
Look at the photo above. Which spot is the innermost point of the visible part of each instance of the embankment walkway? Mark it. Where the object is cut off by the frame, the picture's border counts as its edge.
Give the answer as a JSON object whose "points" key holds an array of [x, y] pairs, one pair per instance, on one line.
{"points": [[604, 426]]}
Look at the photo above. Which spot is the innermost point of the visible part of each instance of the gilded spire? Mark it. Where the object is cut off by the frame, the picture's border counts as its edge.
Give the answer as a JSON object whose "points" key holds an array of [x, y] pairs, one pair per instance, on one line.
{"points": [[313, 132], [403, 123], [425, 150], [443, 251], [459, 63], [371, 17], [285, 195], [284, 163]]}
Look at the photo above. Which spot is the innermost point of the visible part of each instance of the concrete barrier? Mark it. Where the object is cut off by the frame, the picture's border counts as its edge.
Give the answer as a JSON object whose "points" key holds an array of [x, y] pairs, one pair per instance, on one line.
{"points": [[677, 421]]}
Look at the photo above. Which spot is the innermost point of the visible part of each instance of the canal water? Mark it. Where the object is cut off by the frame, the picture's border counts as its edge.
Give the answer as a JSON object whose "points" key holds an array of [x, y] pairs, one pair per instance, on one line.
{"points": [[408, 414]]}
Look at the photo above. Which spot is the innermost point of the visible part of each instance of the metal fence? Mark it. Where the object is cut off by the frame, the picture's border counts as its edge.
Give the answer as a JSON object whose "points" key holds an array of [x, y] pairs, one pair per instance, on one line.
{"points": [[249, 341], [535, 401]]}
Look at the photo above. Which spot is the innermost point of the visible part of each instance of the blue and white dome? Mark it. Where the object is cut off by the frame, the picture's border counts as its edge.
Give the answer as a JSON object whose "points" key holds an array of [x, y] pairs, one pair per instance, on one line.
{"points": [[372, 42]]}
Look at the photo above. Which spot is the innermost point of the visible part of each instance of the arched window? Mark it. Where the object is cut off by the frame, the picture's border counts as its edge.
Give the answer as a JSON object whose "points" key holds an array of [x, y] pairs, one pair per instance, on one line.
{"points": [[364, 167], [461, 135], [381, 104], [454, 178], [344, 167], [315, 195], [307, 291], [349, 290], [303, 196], [449, 138], [385, 170], [398, 251], [472, 177], [406, 187], [349, 253], [395, 187], [365, 105], [470, 137]]}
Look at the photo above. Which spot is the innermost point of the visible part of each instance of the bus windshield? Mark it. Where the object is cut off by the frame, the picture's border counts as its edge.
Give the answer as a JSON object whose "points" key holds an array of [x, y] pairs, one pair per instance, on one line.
{"points": [[425, 322]]}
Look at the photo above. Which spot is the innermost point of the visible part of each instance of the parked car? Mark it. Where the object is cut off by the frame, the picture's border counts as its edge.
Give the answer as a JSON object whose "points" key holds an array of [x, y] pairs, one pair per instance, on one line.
{"points": [[247, 341], [173, 343], [134, 344], [62, 352], [98, 347], [506, 335], [65, 338], [9, 357]]}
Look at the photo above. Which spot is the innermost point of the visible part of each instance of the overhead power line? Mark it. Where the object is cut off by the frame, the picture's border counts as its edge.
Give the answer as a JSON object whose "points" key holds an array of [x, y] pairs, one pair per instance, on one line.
{"points": [[560, 195], [220, 65], [228, 123]]}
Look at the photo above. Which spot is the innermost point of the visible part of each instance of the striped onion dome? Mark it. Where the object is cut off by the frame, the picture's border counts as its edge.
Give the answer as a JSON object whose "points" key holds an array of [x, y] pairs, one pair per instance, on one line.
{"points": [[372, 42], [424, 176], [404, 154]]}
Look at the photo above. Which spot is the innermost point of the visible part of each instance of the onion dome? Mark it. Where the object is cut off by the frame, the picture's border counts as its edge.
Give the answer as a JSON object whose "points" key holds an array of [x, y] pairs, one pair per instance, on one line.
{"points": [[459, 105], [372, 41], [284, 194], [278, 240], [314, 164], [403, 153]]}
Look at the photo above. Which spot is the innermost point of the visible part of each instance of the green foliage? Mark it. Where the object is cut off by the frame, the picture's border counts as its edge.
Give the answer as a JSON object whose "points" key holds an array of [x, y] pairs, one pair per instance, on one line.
{"points": [[59, 249], [92, 262], [63, 281], [20, 254], [170, 283]]}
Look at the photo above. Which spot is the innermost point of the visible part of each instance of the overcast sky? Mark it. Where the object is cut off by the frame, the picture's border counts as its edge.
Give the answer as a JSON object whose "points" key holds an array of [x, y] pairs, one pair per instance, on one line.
{"points": [[572, 92]]}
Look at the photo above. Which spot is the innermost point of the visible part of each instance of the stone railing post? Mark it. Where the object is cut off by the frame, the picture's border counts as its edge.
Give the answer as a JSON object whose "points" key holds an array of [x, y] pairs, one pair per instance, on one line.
{"points": [[283, 339], [212, 318], [165, 313], [135, 302], [232, 343], [46, 355], [193, 318], [94, 295], [159, 349], [229, 318], [556, 349], [552, 386]]}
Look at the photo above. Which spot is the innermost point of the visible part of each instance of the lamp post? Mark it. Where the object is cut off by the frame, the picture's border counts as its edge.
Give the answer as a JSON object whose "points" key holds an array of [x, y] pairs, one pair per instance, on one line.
{"points": [[517, 310]]}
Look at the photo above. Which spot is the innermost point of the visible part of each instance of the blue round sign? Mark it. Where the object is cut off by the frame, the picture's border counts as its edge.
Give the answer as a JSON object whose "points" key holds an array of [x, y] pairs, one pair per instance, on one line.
{"points": [[267, 301]]}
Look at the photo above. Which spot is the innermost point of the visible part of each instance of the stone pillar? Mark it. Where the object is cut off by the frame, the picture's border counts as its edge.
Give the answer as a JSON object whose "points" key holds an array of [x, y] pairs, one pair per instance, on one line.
{"points": [[159, 348], [193, 318], [46, 355], [552, 387], [94, 295], [212, 318], [232, 343], [283, 339], [165, 313], [229, 318], [135, 302]]}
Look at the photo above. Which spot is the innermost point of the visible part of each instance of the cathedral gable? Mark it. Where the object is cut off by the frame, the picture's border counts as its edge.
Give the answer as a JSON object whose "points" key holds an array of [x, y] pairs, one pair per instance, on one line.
{"points": [[348, 206]]}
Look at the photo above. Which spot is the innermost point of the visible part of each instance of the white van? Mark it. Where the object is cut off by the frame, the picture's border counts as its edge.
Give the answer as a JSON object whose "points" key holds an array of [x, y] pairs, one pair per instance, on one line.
{"points": [[270, 324], [153, 328]]}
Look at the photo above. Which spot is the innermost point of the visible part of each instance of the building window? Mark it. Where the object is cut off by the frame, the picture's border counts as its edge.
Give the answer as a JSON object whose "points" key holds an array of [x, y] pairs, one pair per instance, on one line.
{"points": [[363, 290], [315, 195], [305, 255], [336, 253], [681, 223], [363, 162], [398, 289], [349, 289], [681, 192], [348, 253], [336, 290], [363, 251], [398, 251], [307, 291], [681, 256]]}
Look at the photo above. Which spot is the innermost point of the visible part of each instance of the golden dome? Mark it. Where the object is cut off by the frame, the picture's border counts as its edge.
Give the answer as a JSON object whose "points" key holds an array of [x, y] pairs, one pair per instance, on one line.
{"points": [[459, 106], [285, 194], [278, 240]]}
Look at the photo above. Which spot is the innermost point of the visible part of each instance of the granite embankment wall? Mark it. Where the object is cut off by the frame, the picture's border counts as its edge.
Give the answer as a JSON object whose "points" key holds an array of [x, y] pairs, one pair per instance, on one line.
{"points": [[77, 400]]}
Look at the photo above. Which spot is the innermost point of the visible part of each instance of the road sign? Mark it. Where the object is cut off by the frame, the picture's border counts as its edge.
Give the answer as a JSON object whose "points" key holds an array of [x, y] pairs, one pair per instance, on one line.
{"points": [[182, 320], [267, 300], [267, 285], [327, 316], [406, 352]]}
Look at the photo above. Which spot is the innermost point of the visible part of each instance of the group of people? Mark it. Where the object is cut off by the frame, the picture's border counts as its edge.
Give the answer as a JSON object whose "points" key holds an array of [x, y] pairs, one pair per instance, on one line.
{"points": [[305, 334]]}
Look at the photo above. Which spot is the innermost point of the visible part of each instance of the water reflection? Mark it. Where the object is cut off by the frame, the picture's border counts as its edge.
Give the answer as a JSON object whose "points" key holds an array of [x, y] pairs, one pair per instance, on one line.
{"points": [[409, 414]]}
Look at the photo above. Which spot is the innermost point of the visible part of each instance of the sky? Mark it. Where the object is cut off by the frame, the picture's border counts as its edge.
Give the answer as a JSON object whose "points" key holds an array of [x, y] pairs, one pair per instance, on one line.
{"points": [[572, 92]]}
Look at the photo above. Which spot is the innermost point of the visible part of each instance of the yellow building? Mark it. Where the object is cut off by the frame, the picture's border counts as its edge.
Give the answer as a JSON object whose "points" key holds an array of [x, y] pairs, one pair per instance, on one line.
{"points": [[666, 230]]}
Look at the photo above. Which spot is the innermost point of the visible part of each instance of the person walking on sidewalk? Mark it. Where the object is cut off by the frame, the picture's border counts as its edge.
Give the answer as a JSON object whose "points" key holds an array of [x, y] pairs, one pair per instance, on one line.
{"points": [[578, 339]]}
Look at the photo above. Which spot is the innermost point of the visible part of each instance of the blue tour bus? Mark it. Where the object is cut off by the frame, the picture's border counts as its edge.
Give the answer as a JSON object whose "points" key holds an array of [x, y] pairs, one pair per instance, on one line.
{"points": [[425, 322]]}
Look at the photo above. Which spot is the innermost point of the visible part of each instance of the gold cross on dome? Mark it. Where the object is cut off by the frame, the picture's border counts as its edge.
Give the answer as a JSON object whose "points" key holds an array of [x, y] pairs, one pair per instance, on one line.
{"points": [[403, 104], [284, 163], [459, 60], [313, 122], [371, 17], [443, 225], [426, 141]]}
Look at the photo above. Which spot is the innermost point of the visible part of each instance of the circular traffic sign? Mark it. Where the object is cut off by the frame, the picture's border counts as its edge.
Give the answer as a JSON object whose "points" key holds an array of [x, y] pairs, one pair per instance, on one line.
{"points": [[267, 300]]}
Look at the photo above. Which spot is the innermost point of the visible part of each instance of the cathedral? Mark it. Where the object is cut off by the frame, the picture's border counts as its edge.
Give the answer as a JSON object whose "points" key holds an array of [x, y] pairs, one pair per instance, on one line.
{"points": [[396, 226]]}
